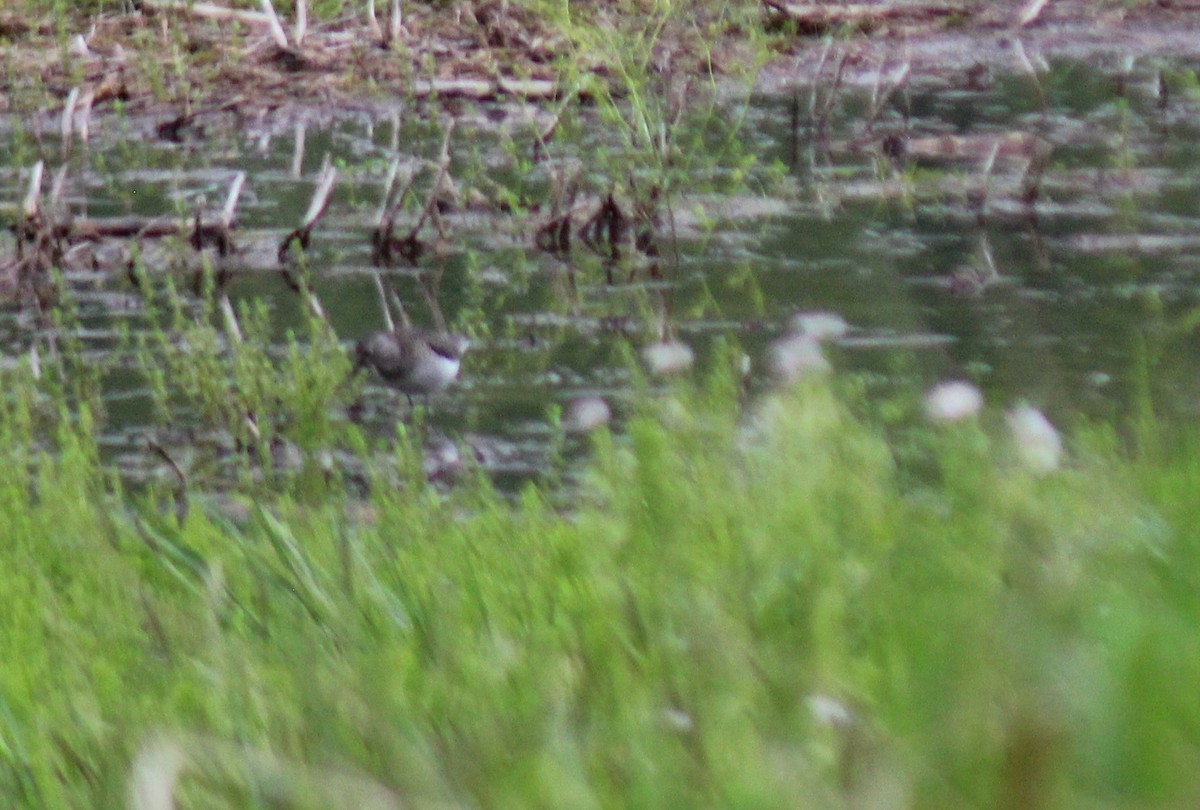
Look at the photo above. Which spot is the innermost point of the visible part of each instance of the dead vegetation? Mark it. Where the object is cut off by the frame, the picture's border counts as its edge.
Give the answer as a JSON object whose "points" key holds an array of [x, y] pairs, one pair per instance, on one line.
{"points": [[184, 61]]}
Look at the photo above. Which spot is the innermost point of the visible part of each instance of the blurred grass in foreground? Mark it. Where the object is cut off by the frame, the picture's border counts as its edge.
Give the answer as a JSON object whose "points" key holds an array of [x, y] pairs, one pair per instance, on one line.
{"points": [[776, 611]]}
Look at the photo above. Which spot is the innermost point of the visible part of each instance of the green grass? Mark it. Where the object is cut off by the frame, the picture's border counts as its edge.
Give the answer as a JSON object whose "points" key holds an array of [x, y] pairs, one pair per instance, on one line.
{"points": [[785, 608], [775, 610]]}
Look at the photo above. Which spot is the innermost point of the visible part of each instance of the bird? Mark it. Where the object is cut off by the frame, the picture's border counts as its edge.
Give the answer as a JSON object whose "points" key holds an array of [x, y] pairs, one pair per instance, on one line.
{"points": [[416, 361]]}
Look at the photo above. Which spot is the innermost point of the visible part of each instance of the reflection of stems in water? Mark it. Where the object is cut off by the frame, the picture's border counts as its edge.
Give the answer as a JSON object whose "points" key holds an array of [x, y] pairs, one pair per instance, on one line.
{"points": [[794, 151], [674, 237], [1036, 240], [298, 240], [383, 302], [298, 133], [181, 500], [1031, 182], [989, 164], [880, 99], [405, 321], [821, 116], [1023, 58]]}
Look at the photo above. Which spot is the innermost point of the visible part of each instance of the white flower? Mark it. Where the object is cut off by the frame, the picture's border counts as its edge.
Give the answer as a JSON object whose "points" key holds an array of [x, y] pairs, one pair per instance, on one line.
{"points": [[953, 401], [819, 326], [827, 711], [1038, 444], [795, 356], [585, 414], [669, 357]]}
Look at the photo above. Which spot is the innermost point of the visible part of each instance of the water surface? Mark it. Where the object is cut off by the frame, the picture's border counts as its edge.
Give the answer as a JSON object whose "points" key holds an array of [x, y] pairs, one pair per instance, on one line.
{"points": [[1064, 303]]}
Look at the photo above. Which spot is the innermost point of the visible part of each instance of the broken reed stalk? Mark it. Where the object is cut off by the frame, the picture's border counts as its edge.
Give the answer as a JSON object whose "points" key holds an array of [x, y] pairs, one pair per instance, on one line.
{"points": [[274, 25], [230, 318], [382, 232], [1032, 11], [56, 187], [29, 208], [827, 16], [320, 199], [231, 200], [389, 183], [207, 11], [28, 226], [443, 166], [316, 207], [385, 246], [396, 23], [373, 21], [67, 125], [301, 21], [398, 204], [84, 113], [831, 98], [300, 237], [816, 88], [384, 222], [554, 236]]}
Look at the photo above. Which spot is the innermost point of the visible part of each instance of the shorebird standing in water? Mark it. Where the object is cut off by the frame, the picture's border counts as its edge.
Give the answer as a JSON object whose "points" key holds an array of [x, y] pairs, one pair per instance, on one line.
{"points": [[416, 361]]}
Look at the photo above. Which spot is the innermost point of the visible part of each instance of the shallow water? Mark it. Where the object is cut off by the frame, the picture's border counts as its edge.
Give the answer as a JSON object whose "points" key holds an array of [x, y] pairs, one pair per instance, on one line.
{"points": [[1062, 304]]}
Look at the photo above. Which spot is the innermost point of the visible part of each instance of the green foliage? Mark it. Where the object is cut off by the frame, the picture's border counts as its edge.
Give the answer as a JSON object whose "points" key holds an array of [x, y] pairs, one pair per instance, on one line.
{"points": [[765, 610]]}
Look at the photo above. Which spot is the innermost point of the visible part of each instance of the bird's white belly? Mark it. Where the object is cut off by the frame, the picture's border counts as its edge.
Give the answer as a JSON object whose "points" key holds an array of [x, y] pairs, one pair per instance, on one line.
{"points": [[433, 373]]}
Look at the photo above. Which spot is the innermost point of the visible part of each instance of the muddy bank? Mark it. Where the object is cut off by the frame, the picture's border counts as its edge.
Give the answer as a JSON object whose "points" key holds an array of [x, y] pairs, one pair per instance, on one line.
{"points": [[986, 39], [179, 63]]}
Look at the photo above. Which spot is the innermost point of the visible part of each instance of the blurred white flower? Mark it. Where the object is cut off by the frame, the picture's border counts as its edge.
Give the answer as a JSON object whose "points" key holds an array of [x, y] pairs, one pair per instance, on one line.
{"points": [[819, 325], [678, 720], [154, 774], [585, 414], [669, 357], [1038, 444], [827, 711], [953, 401], [795, 356]]}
